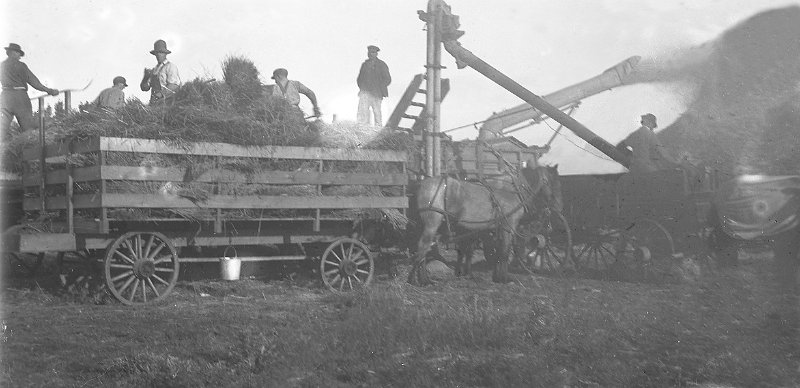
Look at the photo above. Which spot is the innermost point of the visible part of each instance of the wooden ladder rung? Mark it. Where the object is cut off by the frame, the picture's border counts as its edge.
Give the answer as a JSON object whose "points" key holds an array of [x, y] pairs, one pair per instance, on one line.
{"points": [[419, 104], [423, 91], [407, 116]]}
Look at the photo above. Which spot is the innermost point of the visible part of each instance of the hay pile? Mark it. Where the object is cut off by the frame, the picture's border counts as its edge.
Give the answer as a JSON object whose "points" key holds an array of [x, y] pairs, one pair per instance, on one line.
{"points": [[745, 117], [235, 111]]}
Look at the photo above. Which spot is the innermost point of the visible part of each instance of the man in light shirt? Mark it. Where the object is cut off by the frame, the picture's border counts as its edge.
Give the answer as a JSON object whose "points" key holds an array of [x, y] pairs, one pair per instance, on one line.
{"points": [[113, 97], [163, 80], [291, 90]]}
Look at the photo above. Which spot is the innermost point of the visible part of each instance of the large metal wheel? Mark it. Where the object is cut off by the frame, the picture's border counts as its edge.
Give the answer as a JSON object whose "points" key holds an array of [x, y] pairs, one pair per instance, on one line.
{"points": [[141, 267], [599, 249], [647, 240], [347, 265], [550, 247]]}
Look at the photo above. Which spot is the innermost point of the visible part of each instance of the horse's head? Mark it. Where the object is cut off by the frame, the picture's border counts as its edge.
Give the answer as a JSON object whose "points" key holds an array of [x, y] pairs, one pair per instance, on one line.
{"points": [[545, 185]]}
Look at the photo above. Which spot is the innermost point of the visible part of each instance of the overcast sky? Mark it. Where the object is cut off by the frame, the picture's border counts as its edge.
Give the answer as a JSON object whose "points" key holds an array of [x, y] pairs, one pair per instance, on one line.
{"points": [[543, 45]]}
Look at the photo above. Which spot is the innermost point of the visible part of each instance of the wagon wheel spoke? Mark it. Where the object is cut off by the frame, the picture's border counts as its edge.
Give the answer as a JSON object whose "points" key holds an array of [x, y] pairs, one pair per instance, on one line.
{"points": [[649, 235], [346, 265], [141, 267]]}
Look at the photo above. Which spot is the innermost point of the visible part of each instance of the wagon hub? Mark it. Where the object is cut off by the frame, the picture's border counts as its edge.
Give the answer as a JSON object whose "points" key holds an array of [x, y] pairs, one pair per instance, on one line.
{"points": [[349, 267], [144, 268]]}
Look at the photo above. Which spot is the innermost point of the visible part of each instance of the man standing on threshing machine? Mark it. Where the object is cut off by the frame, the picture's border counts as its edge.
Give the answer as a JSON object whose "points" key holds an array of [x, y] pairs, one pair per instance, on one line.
{"points": [[113, 97], [647, 153], [15, 76], [163, 80], [291, 90], [373, 79]]}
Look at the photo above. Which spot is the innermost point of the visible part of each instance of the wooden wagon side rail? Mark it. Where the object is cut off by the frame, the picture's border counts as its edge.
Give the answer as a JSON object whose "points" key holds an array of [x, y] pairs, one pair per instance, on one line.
{"points": [[118, 144], [177, 174], [329, 179]]}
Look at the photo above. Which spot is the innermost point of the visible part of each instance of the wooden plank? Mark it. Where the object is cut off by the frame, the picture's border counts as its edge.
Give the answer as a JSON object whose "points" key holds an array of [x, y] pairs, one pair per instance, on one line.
{"points": [[231, 150], [178, 174], [242, 258], [87, 201], [42, 242]]}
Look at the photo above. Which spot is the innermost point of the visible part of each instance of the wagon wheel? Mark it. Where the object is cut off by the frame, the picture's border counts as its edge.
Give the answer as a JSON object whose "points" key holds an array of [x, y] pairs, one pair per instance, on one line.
{"points": [[347, 265], [647, 239], [141, 267], [599, 251], [550, 248]]}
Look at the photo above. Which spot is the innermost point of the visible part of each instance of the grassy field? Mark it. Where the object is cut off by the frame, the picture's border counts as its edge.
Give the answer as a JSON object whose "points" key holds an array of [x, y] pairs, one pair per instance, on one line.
{"points": [[716, 330]]}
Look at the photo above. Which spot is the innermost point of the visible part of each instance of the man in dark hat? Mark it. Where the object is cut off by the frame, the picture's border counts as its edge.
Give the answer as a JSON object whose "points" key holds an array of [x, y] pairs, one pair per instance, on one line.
{"points": [[373, 80], [647, 153], [15, 76], [291, 90], [113, 97], [163, 80]]}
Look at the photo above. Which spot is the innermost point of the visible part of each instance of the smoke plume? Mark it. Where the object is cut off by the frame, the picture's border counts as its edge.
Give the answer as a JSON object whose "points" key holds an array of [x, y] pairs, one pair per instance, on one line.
{"points": [[745, 116]]}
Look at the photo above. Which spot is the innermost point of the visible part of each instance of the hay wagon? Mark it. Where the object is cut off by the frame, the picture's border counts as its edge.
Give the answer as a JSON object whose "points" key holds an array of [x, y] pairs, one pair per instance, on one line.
{"points": [[141, 208], [636, 216]]}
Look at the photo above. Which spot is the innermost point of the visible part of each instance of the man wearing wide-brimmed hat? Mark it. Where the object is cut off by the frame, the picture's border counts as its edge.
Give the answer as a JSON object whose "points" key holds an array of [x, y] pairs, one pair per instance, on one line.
{"points": [[113, 97], [163, 80], [15, 76], [373, 80]]}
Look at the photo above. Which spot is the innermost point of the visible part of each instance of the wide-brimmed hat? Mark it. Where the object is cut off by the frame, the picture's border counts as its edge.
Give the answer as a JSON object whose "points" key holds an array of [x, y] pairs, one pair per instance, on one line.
{"points": [[120, 80], [15, 47], [282, 71], [160, 47], [373, 48]]}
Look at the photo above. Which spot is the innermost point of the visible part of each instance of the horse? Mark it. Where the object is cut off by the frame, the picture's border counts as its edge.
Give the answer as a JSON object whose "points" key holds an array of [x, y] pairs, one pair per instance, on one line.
{"points": [[495, 205]]}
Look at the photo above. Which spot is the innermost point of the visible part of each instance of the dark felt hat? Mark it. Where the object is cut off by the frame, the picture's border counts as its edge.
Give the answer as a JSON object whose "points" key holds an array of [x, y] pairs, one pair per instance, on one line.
{"points": [[373, 48], [15, 47], [160, 46], [120, 80]]}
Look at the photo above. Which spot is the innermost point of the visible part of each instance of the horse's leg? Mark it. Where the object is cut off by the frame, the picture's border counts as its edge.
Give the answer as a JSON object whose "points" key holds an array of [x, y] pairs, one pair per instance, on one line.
{"points": [[500, 272], [430, 221], [470, 250], [461, 253]]}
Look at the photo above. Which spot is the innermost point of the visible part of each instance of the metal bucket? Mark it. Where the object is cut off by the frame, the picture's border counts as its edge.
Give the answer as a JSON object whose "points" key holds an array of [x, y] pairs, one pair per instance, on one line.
{"points": [[230, 265]]}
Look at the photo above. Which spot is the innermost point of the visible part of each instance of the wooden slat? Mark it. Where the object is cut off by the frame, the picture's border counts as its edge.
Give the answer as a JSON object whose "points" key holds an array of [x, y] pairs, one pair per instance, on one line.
{"points": [[231, 150], [42, 242], [217, 149], [242, 258], [101, 242], [85, 201], [177, 174]]}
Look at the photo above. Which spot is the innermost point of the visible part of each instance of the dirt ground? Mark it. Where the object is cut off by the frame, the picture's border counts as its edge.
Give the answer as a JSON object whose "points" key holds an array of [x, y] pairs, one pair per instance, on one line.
{"points": [[700, 326]]}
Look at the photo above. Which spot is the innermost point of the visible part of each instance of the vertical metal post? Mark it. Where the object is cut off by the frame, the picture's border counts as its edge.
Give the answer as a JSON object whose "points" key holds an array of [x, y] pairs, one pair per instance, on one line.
{"points": [[67, 101], [437, 94], [430, 63], [42, 158]]}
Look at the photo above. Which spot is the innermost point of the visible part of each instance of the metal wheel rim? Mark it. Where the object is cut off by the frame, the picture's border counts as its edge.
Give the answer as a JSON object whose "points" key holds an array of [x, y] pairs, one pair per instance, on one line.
{"points": [[650, 235], [557, 250], [347, 265], [141, 267]]}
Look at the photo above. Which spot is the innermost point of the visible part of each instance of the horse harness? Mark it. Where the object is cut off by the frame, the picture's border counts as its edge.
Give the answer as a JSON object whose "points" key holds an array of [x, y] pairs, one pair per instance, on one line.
{"points": [[495, 205]]}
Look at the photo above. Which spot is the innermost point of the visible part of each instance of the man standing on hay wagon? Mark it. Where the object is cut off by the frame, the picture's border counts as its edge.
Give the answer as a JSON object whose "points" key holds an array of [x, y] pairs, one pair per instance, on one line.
{"points": [[163, 80], [373, 80], [113, 97], [291, 90], [647, 154], [15, 76]]}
